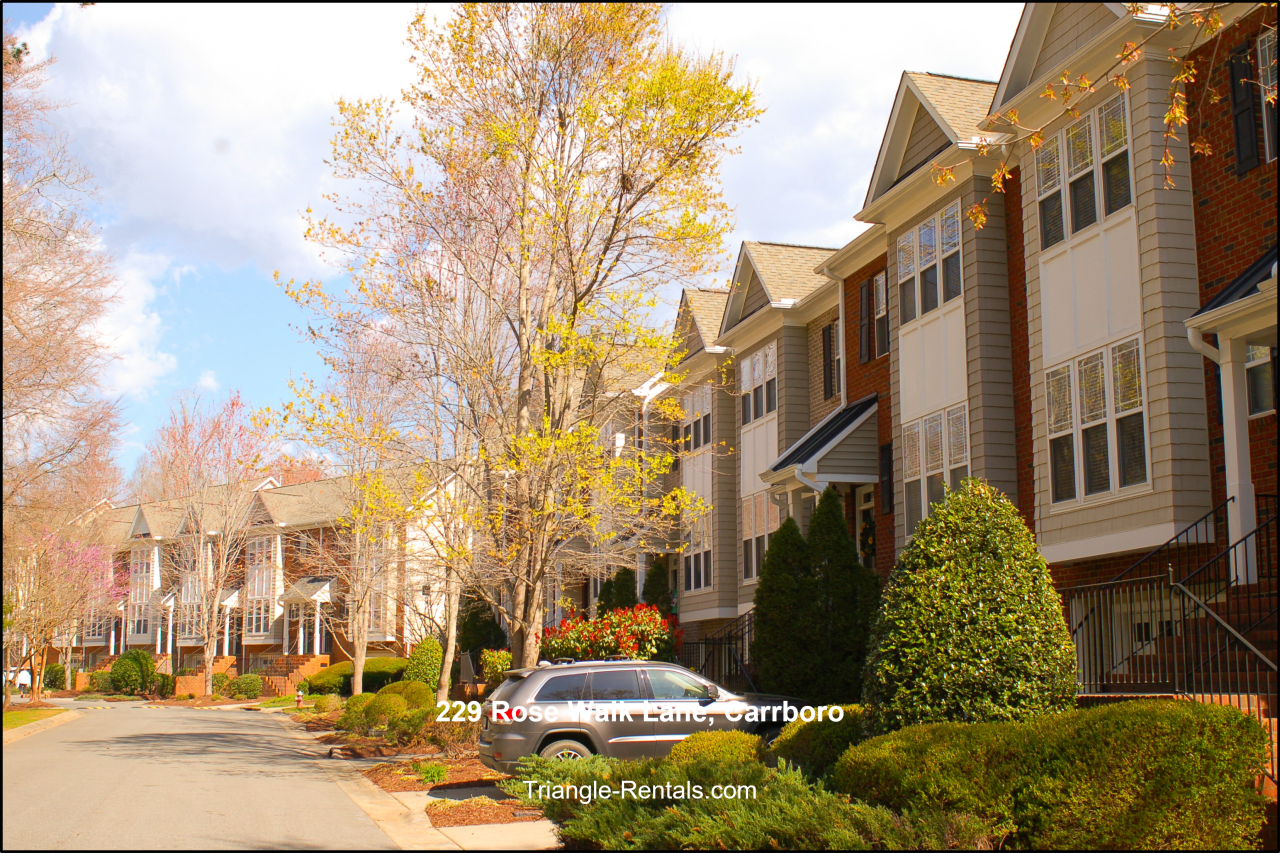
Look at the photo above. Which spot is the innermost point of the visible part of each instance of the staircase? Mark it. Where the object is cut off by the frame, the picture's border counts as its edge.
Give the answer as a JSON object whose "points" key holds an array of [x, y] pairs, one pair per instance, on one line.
{"points": [[221, 663], [724, 655], [1180, 624], [285, 673]]}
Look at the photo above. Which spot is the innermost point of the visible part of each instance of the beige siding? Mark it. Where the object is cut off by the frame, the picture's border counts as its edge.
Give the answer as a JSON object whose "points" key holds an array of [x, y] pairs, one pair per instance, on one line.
{"points": [[986, 308], [755, 297], [1177, 437], [926, 138], [858, 452], [819, 408], [1072, 27], [793, 386]]}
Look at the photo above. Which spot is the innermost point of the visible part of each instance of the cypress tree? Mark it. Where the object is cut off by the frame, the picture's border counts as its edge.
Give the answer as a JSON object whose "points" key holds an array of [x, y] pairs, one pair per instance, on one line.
{"points": [[786, 616], [657, 587], [847, 595], [624, 589], [604, 601]]}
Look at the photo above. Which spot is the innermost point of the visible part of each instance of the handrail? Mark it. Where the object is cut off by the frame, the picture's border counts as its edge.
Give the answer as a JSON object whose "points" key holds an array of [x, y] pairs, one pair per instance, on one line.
{"points": [[1223, 625], [1151, 555], [1230, 549]]}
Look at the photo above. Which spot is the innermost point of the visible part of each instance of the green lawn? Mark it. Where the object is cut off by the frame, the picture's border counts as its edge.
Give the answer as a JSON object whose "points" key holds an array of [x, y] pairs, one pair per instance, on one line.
{"points": [[285, 702], [13, 719]]}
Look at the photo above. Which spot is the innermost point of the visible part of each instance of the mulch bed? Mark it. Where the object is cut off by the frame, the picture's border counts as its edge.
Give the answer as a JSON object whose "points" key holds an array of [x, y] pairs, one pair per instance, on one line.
{"points": [[32, 706], [364, 747], [317, 722], [465, 772]]}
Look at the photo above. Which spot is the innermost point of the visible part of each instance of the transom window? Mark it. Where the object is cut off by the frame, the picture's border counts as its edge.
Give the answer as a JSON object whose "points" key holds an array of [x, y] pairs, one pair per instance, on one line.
{"points": [[697, 556], [758, 383], [934, 448], [929, 269], [760, 518], [1097, 429], [1095, 153]]}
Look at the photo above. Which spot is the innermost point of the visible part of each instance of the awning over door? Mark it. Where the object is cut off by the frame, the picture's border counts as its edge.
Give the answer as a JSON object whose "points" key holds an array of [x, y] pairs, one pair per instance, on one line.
{"points": [[843, 448]]}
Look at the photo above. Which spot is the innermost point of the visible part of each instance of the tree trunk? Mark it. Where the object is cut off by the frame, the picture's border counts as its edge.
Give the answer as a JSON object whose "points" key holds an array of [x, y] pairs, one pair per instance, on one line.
{"points": [[450, 632], [37, 674], [210, 652]]}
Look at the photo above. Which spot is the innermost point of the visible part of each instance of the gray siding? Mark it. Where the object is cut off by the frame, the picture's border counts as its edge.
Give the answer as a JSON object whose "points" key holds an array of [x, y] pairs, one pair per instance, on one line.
{"points": [[858, 452], [755, 297], [793, 385], [1072, 27], [986, 315], [926, 137]]}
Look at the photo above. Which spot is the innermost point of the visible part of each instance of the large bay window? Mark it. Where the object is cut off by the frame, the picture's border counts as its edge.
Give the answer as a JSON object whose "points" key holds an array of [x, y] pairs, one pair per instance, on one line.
{"points": [[935, 453], [139, 591], [758, 383], [1100, 136], [260, 574], [1097, 423], [697, 555], [697, 418], [760, 518], [188, 615], [929, 270]]}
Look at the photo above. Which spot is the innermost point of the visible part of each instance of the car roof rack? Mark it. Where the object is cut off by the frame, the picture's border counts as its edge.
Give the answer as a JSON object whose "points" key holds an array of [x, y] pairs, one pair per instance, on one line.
{"points": [[562, 660], [618, 657]]}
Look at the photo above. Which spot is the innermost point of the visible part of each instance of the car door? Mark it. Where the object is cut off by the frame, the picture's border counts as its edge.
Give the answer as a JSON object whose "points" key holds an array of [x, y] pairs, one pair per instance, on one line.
{"points": [[622, 728], [680, 695]]}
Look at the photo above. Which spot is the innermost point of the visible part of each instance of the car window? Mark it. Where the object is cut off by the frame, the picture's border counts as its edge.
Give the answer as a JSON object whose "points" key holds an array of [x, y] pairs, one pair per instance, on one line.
{"points": [[563, 688], [505, 688], [672, 684], [614, 685]]}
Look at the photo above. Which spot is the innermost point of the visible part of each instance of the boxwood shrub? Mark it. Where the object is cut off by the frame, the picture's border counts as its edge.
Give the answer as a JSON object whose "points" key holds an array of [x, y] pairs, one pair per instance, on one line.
{"points": [[132, 672], [815, 746], [327, 704], [970, 627], [100, 681], [55, 677], [1131, 775], [416, 694], [378, 673], [352, 719], [424, 663], [221, 683], [249, 686], [384, 711], [731, 747]]}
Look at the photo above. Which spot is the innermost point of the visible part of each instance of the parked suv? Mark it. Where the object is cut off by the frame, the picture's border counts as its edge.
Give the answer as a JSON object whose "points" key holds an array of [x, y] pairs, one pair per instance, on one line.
{"points": [[576, 709]]}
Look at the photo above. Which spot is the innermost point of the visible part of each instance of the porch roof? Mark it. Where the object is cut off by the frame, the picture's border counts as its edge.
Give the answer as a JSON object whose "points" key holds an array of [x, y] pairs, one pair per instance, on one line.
{"points": [[308, 590], [840, 449], [1245, 284]]}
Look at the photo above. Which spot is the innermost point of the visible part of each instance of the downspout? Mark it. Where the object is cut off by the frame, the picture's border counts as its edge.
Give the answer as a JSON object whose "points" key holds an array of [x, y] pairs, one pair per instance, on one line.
{"points": [[844, 355], [1199, 344], [805, 481]]}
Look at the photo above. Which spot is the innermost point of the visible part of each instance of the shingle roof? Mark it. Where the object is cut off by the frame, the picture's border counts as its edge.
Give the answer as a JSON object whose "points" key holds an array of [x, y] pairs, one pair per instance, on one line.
{"points": [[787, 270], [1245, 284], [805, 449], [706, 307], [963, 103]]}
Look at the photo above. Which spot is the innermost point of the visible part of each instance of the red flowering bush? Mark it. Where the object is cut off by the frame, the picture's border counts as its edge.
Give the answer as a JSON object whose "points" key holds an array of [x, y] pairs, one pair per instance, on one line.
{"points": [[639, 632]]}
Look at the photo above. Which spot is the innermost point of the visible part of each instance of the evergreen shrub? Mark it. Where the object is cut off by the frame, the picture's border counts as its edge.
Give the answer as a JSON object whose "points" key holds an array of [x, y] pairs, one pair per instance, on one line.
{"points": [[657, 586], [55, 677], [384, 711], [477, 628], [221, 683], [1168, 774], [415, 693], [624, 589], [727, 747], [249, 686], [817, 745], [352, 719], [378, 673], [970, 628], [100, 681], [162, 685], [787, 618], [327, 704], [132, 672], [424, 663]]}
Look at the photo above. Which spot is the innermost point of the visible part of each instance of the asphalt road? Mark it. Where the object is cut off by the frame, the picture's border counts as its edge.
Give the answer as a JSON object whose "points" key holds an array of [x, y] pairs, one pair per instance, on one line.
{"points": [[131, 777]]}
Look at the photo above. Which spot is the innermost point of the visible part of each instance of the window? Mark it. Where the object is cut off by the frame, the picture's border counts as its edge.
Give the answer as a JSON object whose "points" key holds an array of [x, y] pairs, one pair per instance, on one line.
{"points": [[668, 684], [830, 362], [935, 455], [758, 383], [615, 685], [697, 414], [929, 271], [1260, 379], [563, 688], [697, 558], [1267, 79], [866, 342], [1107, 125], [260, 577], [760, 518], [140, 591], [1096, 416], [881, 294]]}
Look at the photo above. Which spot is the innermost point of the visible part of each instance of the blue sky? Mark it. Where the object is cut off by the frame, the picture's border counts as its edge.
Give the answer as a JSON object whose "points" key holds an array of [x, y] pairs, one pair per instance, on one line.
{"points": [[207, 128]]}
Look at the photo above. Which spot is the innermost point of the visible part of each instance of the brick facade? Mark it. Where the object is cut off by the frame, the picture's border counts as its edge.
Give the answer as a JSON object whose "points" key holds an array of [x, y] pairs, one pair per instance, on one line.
{"points": [[1019, 347], [1235, 221], [863, 379]]}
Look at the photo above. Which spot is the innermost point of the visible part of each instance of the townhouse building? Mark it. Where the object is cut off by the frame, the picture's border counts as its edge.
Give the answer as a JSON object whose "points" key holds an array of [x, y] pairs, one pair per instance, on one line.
{"points": [[284, 613]]}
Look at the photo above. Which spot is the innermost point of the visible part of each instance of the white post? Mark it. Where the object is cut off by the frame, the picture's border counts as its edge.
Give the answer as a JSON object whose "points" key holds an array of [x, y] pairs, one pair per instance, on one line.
{"points": [[226, 632], [159, 629], [171, 609], [285, 644], [1241, 516], [111, 648], [315, 646]]}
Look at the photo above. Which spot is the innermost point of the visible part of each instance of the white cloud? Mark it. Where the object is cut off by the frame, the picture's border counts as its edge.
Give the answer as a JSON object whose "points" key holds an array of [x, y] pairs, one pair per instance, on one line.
{"points": [[207, 126], [208, 381], [132, 328]]}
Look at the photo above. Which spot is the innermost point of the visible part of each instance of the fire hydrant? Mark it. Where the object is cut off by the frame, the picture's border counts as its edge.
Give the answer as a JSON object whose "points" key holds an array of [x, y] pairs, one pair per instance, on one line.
{"points": [[298, 699]]}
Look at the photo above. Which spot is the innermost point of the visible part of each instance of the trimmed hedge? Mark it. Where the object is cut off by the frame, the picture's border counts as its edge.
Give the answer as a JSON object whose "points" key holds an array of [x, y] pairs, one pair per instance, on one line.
{"points": [[385, 710], [731, 747], [221, 683], [817, 745], [424, 663], [249, 686], [132, 672], [352, 719], [416, 694], [970, 627], [100, 681], [378, 673], [1167, 774], [162, 684], [327, 704]]}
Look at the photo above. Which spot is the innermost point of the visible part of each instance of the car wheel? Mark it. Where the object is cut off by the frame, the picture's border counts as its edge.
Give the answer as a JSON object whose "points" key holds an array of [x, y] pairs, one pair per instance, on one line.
{"points": [[566, 750]]}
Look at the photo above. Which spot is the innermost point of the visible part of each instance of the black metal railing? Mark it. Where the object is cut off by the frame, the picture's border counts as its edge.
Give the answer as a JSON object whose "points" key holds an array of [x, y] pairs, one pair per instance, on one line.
{"points": [[1208, 636], [723, 656], [1185, 552], [1265, 506]]}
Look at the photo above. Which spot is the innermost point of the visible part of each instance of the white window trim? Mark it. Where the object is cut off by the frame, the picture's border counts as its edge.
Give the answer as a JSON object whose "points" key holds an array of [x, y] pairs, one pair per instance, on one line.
{"points": [[1116, 492], [698, 543], [1063, 185], [919, 479], [748, 382], [944, 304], [1267, 68], [772, 521], [697, 407]]}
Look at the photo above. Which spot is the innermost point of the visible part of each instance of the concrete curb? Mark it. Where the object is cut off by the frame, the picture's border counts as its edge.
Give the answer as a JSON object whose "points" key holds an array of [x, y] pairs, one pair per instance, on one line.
{"points": [[40, 725]]}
